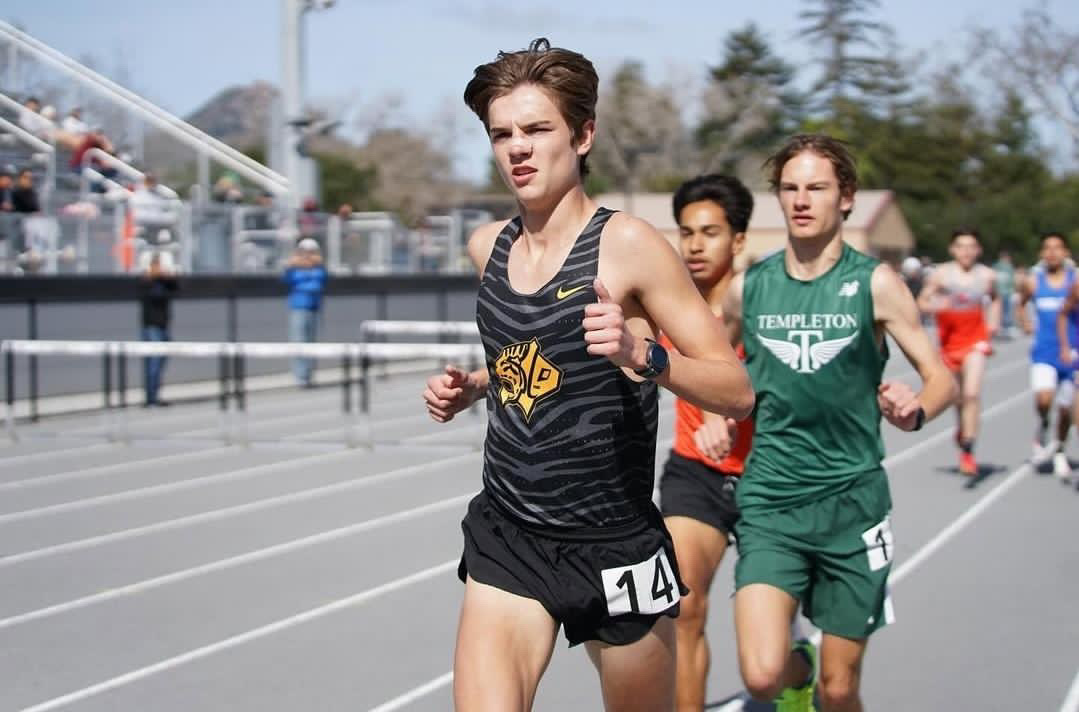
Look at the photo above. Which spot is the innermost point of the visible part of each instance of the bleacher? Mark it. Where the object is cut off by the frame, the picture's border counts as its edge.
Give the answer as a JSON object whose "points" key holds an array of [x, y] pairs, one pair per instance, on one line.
{"points": [[87, 226]]}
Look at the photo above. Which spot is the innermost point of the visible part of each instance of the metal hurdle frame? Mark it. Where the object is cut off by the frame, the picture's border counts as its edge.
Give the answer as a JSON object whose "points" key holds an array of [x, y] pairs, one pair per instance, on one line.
{"points": [[231, 358], [443, 329]]}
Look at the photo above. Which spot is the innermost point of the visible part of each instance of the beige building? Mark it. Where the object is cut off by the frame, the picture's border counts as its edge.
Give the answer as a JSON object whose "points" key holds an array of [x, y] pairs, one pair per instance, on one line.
{"points": [[875, 226]]}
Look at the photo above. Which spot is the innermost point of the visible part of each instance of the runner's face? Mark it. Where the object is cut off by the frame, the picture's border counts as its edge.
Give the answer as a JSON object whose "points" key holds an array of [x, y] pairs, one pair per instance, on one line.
{"points": [[707, 241], [533, 145], [810, 197], [965, 250], [1054, 252]]}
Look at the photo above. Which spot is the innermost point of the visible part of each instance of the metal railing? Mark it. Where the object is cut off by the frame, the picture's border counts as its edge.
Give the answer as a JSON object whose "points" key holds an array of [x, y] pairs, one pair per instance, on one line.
{"points": [[205, 146], [24, 136]]}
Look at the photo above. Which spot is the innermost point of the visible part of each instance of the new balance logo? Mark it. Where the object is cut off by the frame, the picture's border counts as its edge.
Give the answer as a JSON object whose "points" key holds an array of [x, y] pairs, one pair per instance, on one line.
{"points": [[849, 289], [802, 354]]}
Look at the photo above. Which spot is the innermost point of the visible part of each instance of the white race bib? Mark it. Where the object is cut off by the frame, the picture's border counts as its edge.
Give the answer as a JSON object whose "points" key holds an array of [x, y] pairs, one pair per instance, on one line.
{"points": [[648, 587], [879, 545]]}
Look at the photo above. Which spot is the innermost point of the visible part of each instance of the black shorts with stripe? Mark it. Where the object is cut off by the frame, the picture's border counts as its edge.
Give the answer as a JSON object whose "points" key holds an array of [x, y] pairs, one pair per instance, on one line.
{"points": [[608, 585], [689, 488]]}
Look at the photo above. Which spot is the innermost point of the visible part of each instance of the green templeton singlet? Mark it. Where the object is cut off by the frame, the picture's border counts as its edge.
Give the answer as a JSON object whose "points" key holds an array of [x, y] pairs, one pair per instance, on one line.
{"points": [[815, 362]]}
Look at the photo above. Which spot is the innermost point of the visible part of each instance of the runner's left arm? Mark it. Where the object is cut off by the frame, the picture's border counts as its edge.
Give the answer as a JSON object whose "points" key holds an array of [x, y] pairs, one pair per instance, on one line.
{"points": [[897, 313], [1062, 324]]}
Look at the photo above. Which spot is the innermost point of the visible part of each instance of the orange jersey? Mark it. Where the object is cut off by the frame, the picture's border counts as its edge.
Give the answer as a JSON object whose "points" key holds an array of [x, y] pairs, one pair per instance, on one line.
{"points": [[961, 328], [961, 325], [688, 419]]}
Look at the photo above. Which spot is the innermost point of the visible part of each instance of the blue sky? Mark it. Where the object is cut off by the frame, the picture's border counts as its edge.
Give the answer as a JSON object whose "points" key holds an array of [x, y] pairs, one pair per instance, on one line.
{"points": [[423, 51]]}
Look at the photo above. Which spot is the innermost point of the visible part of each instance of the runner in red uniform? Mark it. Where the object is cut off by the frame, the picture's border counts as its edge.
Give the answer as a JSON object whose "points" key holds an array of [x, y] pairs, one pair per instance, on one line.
{"points": [[957, 294]]}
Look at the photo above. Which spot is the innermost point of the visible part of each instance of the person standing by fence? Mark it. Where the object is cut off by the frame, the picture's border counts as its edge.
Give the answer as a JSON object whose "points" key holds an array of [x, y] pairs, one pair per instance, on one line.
{"points": [[156, 287], [306, 279]]}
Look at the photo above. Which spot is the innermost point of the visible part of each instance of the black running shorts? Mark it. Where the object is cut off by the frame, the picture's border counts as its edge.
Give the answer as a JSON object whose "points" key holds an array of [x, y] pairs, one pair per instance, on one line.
{"points": [[607, 585], [692, 489]]}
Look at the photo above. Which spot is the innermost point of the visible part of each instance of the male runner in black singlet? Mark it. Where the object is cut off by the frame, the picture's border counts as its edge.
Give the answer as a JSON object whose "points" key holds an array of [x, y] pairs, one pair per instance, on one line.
{"points": [[571, 298]]}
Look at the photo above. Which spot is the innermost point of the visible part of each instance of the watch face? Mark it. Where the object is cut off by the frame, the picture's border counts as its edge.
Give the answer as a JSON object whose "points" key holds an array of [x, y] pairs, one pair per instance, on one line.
{"points": [[657, 358]]}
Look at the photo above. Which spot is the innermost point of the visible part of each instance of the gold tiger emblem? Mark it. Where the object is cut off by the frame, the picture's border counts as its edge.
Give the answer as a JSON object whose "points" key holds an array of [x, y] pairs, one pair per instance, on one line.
{"points": [[526, 376]]}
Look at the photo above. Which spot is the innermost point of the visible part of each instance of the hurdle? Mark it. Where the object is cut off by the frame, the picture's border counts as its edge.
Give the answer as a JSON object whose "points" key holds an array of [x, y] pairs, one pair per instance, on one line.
{"points": [[231, 358], [457, 330]]}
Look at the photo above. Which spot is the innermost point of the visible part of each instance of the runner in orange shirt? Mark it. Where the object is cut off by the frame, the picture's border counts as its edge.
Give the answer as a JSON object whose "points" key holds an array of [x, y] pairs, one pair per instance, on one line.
{"points": [[957, 293], [697, 487]]}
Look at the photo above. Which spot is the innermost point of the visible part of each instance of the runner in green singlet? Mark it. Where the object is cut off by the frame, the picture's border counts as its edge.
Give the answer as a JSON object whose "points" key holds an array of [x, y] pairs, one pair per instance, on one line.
{"points": [[814, 497]]}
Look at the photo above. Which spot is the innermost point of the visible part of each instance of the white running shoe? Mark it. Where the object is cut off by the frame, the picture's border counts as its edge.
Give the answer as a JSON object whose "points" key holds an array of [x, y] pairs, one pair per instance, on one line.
{"points": [[1061, 467], [1040, 453]]}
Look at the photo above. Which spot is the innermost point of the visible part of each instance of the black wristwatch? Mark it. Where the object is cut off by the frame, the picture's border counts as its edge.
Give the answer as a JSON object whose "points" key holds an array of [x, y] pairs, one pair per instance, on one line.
{"points": [[655, 359], [919, 420]]}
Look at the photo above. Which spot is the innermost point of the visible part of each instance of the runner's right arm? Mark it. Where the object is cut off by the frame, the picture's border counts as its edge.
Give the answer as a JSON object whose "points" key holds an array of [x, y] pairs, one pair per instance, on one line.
{"points": [[927, 297], [1026, 292], [455, 390]]}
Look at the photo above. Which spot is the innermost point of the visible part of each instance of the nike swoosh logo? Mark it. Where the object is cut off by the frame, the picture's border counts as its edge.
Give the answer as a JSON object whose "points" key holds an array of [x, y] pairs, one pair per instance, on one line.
{"points": [[562, 294]]}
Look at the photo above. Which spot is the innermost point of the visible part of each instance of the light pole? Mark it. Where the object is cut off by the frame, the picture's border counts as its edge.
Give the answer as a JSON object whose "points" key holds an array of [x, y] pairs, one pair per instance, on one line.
{"points": [[299, 169]]}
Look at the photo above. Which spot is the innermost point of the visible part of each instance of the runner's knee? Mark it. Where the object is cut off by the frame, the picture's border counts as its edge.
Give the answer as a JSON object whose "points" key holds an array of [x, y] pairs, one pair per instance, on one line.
{"points": [[693, 612], [763, 675], [838, 689]]}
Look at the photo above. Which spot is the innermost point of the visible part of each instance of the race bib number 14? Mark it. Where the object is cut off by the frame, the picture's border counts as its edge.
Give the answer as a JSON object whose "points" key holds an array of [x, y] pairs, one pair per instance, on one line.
{"points": [[648, 587]]}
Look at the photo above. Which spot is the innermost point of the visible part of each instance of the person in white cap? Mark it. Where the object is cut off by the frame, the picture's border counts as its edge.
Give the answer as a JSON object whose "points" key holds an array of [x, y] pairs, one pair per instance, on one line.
{"points": [[305, 276]]}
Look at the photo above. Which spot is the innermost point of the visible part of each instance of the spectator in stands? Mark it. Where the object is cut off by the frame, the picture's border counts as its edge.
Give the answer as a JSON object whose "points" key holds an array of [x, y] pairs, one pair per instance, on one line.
{"points": [[226, 190], [306, 279], [31, 120], [74, 124], [95, 139], [309, 221], [6, 189], [153, 212], [57, 134], [24, 197], [156, 287]]}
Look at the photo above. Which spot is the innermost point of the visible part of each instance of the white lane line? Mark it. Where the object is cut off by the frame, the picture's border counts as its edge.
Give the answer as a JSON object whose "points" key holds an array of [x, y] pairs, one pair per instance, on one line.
{"points": [[238, 560], [196, 482], [112, 469], [738, 704], [415, 694], [234, 510], [964, 520], [376, 422], [50, 454], [1071, 701], [254, 634], [256, 422], [180, 414]]}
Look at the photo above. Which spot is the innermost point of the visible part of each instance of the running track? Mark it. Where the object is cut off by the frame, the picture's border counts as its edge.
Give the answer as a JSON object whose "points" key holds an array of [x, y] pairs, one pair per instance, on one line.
{"points": [[176, 573]]}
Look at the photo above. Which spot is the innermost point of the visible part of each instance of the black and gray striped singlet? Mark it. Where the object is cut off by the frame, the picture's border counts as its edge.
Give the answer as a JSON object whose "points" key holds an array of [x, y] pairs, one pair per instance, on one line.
{"points": [[571, 441]]}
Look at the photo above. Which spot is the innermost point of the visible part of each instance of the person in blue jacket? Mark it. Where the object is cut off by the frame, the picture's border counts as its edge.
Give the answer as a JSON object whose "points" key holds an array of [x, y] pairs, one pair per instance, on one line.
{"points": [[305, 276]]}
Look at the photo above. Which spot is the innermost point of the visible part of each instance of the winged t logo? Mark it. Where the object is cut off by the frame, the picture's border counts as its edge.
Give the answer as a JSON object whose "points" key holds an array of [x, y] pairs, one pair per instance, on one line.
{"points": [[802, 355]]}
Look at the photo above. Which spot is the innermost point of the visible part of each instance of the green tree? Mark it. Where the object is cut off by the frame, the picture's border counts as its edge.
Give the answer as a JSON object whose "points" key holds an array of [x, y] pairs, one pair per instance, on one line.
{"points": [[641, 140], [343, 181], [749, 104], [841, 29]]}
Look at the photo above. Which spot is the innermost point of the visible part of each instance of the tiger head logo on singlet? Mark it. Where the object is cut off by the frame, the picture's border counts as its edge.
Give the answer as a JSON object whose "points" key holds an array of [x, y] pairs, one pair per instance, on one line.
{"points": [[526, 376]]}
